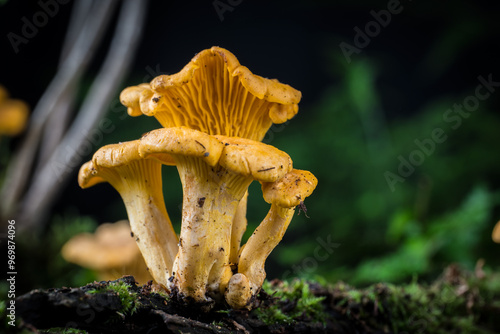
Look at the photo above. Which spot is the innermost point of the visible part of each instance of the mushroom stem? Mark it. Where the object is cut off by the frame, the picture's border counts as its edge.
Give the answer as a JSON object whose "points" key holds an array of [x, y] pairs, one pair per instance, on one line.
{"points": [[210, 200], [238, 229], [139, 183], [253, 255], [261, 243]]}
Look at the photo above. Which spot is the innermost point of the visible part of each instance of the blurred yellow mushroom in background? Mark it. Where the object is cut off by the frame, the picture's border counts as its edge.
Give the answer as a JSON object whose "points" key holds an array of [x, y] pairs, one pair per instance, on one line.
{"points": [[13, 114], [111, 252], [495, 235]]}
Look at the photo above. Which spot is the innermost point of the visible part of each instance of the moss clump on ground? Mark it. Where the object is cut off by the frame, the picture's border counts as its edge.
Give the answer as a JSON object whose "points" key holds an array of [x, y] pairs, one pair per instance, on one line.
{"points": [[291, 301], [122, 289]]}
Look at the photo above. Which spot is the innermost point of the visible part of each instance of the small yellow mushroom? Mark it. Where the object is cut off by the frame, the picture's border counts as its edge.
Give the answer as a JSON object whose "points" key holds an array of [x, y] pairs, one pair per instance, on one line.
{"points": [[215, 172], [139, 182], [495, 235], [110, 251], [284, 195], [13, 114]]}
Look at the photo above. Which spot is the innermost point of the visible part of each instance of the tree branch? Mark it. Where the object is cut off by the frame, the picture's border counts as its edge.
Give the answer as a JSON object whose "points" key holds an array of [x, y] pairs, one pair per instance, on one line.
{"points": [[66, 158]]}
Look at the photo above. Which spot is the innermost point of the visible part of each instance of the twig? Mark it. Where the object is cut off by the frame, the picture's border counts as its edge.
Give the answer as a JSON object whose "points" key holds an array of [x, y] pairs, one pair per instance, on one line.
{"points": [[70, 72], [57, 124], [185, 323], [80, 13], [54, 174]]}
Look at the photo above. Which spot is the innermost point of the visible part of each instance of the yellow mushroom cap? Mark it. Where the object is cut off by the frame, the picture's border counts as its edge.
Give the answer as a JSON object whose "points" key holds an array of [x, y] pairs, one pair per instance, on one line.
{"points": [[111, 246], [131, 98], [114, 155], [289, 191], [496, 233], [13, 114], [245, 157], [215, 94], [182, 141], [87, 177], [264, 163]]}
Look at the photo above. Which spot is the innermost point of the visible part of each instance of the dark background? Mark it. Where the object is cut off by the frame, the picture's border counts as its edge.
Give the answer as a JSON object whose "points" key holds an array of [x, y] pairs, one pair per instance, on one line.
{"points": [[355, 120]]}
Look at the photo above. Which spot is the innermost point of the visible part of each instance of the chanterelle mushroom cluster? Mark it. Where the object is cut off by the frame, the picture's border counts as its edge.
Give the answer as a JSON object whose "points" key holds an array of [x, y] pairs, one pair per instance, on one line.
{"points": [[214, 114]]}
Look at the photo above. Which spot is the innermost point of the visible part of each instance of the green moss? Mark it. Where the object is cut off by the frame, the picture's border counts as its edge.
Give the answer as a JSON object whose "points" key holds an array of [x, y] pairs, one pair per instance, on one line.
{"points": [[218, 324], [162, 294], [126, 296], [458, 302], [63, 331], [293, 300]]}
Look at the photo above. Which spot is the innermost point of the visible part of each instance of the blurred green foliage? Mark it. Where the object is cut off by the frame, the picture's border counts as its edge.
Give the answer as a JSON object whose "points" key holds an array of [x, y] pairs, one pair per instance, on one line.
{"points": [[452, 237], [442, 212]]}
